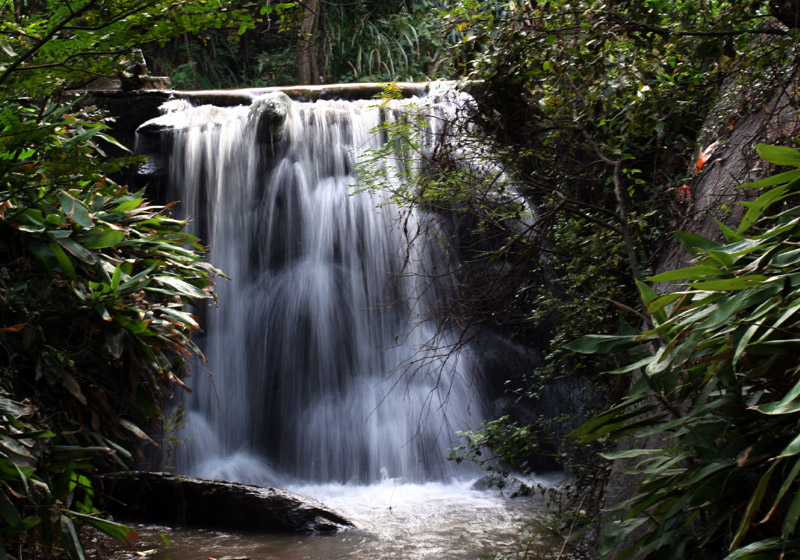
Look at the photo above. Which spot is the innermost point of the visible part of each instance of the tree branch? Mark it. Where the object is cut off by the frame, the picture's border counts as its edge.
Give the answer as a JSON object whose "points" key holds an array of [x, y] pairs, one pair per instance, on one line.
{"points": [[44, 40]]}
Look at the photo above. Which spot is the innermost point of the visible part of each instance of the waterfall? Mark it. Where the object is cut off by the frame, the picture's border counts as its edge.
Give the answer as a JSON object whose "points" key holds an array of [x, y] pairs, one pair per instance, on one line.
{"points": [[326, 364]]}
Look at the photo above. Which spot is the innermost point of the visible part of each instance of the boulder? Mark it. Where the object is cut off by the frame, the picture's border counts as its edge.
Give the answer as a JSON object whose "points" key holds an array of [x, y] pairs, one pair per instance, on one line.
{"points": [[507, 485], [175, 500], [270, 111]]}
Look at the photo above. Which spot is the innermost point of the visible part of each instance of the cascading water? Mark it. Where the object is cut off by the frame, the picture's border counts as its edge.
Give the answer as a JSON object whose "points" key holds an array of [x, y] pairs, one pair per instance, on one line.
{"points": [[331, 374], [322, 367]]}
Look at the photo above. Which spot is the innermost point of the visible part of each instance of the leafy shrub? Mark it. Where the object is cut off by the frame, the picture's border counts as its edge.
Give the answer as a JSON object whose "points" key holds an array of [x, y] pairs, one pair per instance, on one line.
{"points": [[93, 331], [716, 382], [93, 281]]}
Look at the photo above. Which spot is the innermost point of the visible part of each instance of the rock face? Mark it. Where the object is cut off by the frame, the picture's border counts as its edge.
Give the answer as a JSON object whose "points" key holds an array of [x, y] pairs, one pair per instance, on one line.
{"points": [[270, 111], [199, 502]]}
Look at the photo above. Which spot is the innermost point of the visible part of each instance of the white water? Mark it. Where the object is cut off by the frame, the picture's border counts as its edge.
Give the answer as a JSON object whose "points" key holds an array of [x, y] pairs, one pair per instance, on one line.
{"points": [[329, 377], [395, 521], [321, 351]]}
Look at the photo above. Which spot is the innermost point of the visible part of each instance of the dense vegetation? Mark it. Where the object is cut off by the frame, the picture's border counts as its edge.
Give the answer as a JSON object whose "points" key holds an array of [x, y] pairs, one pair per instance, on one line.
{"points": [[312, 42], [715, 407], [93, 280], [596, 111], [591, 110]]}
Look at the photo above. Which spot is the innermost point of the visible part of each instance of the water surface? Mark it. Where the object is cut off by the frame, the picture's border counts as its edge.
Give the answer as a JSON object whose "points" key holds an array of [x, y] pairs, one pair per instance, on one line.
{"points": [[395, 521]]}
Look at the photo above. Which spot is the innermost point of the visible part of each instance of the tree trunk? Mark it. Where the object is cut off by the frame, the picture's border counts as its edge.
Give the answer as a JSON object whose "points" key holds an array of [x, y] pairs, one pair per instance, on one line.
{"points": [[307, 71]]}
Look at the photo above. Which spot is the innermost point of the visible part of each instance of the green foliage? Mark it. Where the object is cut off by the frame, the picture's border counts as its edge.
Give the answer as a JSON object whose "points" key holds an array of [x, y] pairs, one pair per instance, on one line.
{"points": [[50, 46], [386, 42], [594, 110], [93, 329], [44, 489], [716, 381], [361, 41], [598, 105], [94, 281], [255, 52]]}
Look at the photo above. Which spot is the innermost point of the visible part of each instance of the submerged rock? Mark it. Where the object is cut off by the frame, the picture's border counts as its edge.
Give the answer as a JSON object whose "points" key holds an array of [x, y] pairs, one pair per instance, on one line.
{"points": [[200, 502], [507, 485]]}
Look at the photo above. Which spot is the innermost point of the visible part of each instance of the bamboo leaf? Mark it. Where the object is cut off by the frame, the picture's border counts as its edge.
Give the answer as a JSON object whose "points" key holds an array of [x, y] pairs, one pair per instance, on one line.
{"points": [[64, 262], [78, 250], [115, 278], [617, 532], [787, 483], [757, 207], [630, 453], [101, 239], [772, 180], [694, 243], [730, 284], [779, 155], [8, 512], [792, 449], [135, 430], [690, 273], [70, 540], [115, 530], [602, 344], [752, 507], [182, 287], [792, 517]]}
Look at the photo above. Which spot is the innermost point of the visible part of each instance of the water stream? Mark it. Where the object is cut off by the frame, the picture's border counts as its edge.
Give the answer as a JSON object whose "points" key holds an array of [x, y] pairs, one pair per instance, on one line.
{"points": [[330, 375]]}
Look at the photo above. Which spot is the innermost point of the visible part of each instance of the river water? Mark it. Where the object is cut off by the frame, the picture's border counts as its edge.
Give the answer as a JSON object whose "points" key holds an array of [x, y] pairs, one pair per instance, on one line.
{"points": [[394, 521]]}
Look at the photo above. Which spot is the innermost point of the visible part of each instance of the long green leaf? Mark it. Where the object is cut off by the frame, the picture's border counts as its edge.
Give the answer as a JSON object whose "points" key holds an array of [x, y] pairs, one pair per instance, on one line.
{"points": [[766, 549], [75, 210], [752, 507], [772, 180], [78, 250], [101, 239], [690, 273], [115, 530], [792, 517], [182, 287], [779, 155], [8, 512], [64, 262], [694, 243], [756, 208], [617, 532], [792, 449], [787, 483], [70, 540], [601, 343], [730, 284]]}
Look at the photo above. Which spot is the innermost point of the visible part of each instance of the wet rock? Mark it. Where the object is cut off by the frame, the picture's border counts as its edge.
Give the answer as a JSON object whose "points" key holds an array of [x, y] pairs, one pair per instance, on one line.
{"points": [[507, 485], [270, 111], [199, 502]]}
